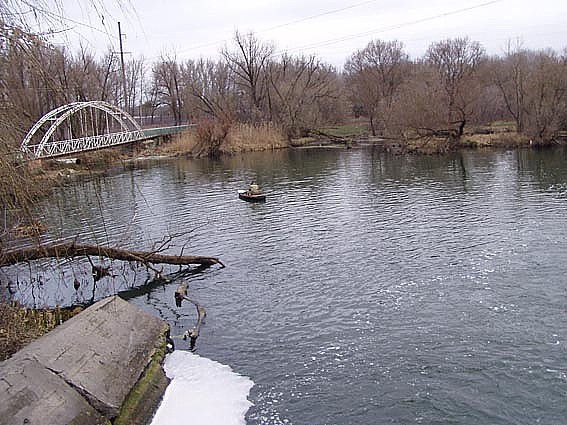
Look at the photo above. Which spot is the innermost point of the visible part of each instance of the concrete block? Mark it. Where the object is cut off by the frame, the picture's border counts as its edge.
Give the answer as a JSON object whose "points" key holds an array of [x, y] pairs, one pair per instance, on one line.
{"points": [[100, 353], [32, 394]]}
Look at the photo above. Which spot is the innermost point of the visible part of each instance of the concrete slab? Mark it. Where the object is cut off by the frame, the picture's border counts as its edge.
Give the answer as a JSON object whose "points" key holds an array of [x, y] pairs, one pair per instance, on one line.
{"points": [[34, 395], [100, 354]]}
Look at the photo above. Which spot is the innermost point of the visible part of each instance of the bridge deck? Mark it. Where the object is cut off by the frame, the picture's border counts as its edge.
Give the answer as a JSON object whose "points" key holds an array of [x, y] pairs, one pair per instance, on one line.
{"points": [[66, 147], [149, 133]]}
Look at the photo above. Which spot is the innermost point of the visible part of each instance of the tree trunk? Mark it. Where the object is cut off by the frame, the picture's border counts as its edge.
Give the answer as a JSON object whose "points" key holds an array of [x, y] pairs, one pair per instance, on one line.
{"points": [[70, 250], [372, 127], [462, 128]]}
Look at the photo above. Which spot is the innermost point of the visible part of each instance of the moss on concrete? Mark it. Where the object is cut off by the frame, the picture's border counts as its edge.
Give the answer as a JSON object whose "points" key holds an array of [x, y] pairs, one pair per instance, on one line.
{"points": [[143, 400]]}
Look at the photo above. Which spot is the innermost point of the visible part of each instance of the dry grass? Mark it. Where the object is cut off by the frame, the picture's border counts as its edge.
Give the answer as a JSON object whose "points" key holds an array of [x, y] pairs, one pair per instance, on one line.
{"points": [[429, 145], [20, 325], [248, 137], [238, 138], [496, 140], [182, 144]]}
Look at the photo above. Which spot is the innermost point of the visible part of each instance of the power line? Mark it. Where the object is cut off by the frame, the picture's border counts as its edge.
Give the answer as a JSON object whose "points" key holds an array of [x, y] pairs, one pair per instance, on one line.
{"points": [[337, 40], [50, 17], [307, 18], [385, 29], [64, 18], [330, 12]]}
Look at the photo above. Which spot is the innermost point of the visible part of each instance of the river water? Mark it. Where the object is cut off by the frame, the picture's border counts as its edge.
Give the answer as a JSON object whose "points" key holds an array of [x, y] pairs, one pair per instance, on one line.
{"points": [[368, 289]]}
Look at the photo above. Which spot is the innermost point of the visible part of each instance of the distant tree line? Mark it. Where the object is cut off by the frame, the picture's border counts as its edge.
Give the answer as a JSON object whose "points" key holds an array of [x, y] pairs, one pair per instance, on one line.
{"points": [[455, 85]]}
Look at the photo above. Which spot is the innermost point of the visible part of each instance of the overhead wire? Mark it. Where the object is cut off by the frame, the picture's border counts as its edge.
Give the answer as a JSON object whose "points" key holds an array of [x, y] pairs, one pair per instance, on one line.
{"points": [[285, 24], [307, 18], [325, 43], [319, 44], [112, 38], [337, 40]]}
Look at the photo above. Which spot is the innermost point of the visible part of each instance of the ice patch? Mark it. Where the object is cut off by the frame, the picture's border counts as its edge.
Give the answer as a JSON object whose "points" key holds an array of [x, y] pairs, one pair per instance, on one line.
{"points": [[202, 391]]}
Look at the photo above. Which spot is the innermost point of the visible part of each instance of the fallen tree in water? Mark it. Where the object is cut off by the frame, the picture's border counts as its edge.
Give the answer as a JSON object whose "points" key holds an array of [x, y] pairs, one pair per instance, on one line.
{"points": [[70, 250]]}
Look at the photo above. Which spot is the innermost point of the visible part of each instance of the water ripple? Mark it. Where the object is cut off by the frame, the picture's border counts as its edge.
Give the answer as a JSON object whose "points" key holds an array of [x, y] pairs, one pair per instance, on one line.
{"points": [[367, 289]]}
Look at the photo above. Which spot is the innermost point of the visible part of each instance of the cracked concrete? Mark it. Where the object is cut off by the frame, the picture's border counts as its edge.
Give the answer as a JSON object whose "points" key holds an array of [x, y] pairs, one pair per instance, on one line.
{"points": [[82, 371]]}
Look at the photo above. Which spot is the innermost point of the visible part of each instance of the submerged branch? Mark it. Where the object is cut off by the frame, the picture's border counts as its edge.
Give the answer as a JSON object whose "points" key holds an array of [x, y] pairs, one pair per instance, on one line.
{"points": [[180, 295]]}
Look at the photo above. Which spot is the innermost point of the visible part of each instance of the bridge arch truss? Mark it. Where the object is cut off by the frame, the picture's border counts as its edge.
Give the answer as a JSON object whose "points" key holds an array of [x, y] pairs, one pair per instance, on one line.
{"points": [[80, 126]]}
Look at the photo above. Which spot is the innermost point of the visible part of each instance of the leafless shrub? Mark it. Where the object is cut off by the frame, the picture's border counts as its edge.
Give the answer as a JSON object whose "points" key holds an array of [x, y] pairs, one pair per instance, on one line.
{"points": [[211, 134]]}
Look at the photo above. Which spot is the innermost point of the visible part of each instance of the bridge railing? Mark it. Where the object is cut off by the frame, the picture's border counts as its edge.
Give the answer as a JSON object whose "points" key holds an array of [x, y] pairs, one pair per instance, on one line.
{"points": [[65, 147]]}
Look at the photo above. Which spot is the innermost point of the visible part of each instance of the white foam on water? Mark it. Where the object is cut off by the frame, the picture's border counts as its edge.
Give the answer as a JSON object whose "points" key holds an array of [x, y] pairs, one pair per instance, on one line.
{"points": [[202, 391]]}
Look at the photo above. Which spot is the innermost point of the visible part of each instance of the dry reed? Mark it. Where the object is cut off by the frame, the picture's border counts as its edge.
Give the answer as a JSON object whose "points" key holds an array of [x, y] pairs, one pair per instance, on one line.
{"points": [[20, 325]]}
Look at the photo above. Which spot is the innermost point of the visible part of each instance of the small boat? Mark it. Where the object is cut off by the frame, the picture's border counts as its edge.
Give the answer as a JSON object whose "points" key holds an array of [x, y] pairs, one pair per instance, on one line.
{"points": [[246, 195]]}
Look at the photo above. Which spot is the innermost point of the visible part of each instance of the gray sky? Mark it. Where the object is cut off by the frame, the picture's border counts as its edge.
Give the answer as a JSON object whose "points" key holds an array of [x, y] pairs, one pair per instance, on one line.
{"points": [[332, 29]]}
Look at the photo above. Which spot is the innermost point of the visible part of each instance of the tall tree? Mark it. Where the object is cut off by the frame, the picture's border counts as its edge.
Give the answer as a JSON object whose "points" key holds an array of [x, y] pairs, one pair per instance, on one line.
{"points": [[167, 83], [374, 76], [457, 62], [511, 74], [299, 87], [248, 61], [547, 95], [211, 84]]}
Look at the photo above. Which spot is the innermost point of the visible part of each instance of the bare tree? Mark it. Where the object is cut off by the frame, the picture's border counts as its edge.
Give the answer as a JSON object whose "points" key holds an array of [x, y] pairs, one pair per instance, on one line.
{"points": [[248, 62], [418, 107], [547, 93], [456, 62], [300, 86], [374, 76], [135, 76], [211, 84], [167, 83], [510, 75]]}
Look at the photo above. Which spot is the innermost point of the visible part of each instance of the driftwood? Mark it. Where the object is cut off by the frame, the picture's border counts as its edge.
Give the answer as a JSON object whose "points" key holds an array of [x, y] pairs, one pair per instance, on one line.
{"points": [[180, 295], [449, 133], [331, 137], [69, 250]]}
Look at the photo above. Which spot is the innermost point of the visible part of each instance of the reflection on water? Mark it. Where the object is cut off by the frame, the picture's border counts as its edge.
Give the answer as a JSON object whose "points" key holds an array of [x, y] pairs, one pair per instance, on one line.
{"points": [[367, 289]]}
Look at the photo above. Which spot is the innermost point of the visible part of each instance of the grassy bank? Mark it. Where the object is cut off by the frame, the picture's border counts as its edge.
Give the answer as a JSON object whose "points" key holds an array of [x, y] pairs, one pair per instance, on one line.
{"points": [[496, 140], [214, 139], [20, 325]]}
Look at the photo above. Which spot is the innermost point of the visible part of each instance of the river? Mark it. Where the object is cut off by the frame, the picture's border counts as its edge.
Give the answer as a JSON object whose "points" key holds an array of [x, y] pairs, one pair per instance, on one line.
{"points": [[368, 289]]}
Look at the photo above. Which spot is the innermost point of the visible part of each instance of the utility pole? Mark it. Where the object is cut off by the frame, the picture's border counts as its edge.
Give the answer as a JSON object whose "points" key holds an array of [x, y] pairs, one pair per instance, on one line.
{"points": [[123, 71]]}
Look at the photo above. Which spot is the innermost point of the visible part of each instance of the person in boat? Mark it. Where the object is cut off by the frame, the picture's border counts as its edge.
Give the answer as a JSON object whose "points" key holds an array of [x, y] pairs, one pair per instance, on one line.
{"points": [[254, 189]]}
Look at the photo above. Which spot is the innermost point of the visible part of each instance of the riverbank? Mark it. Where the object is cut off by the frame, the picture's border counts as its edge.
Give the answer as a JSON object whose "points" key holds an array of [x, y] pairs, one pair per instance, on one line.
{"points": [[20, 325], [212, 140]]}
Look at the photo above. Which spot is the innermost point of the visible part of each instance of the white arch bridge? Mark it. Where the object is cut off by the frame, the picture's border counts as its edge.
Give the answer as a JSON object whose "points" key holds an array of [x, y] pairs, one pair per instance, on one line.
{"points": [[85, 126]]}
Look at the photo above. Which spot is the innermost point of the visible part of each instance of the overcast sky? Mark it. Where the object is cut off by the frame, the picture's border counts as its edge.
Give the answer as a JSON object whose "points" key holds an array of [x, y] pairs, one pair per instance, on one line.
{"points": [[332, 29]]}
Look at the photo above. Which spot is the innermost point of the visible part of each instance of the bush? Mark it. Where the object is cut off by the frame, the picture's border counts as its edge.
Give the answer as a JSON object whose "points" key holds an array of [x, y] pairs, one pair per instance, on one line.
{"points": [[211, 134], [214, 138]]}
